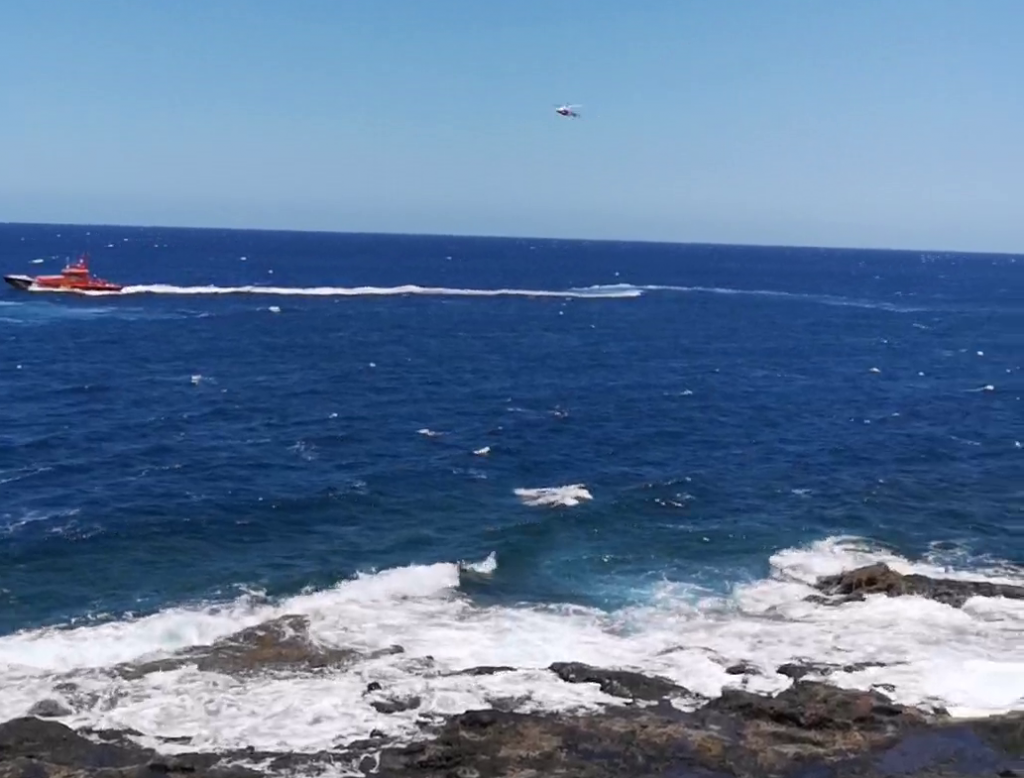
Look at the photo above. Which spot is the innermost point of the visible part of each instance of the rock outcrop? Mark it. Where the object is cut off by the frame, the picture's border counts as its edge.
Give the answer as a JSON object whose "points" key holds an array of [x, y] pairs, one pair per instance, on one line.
{"points": [[854, 585], [619, 683], [280, 644]]}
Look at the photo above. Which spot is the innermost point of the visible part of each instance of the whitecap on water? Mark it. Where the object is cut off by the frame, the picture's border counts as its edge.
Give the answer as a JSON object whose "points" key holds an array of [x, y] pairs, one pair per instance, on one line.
{"points": [[567, 496], [485, 567]]}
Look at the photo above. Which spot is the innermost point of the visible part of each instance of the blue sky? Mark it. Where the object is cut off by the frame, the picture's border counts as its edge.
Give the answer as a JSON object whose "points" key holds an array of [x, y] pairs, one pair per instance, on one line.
{"points": [[895, 123]]}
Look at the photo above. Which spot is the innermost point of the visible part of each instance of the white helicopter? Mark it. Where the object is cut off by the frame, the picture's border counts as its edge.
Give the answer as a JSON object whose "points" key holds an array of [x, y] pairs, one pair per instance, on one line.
{"points": [[568, 111]]}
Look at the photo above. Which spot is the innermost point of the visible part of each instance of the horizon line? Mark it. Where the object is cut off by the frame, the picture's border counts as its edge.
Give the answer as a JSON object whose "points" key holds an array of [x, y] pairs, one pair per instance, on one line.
{"points": [[486, 236]]}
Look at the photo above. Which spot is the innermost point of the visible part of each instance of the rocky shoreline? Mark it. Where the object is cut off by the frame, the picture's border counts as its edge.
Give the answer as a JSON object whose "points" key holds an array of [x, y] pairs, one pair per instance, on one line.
{"points": [[810, 730]]}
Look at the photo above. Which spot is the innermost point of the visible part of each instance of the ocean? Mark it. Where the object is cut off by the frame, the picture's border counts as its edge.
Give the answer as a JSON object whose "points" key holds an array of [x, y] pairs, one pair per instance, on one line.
{"points": [[498, 452]]}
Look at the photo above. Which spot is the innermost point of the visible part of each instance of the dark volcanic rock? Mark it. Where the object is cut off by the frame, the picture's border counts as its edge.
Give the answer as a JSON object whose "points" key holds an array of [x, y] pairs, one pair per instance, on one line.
{"points": [[31, 737], [33, 748], [741, 668], [809, 705], [486, 670], [117, 736], [396, 704], [281, 643], [797, 670], [854, 585], [618, 683], [812, 731], [489, 743], [48, 709]]}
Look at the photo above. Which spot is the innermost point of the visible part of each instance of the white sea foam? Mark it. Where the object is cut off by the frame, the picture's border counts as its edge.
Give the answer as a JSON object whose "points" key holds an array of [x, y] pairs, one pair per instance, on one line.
{"points": [[968, 659], [551, 496], [485, 567]]}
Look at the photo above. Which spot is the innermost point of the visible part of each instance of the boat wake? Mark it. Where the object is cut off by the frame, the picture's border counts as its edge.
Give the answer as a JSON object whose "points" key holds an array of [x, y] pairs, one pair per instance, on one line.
{"points": [[598, 292], [378, 291], [822, 299]]}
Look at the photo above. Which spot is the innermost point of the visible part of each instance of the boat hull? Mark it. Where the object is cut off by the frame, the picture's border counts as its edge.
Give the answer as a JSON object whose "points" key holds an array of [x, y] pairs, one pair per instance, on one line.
{"points": [[27, 283], [19, 282]]}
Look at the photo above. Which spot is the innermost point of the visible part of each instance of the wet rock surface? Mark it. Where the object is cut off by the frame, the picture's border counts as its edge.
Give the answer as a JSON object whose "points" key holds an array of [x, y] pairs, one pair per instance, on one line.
{"points": [[487, 670], [281, 644], [46, 709], [799, 670], [396, 704], [618, 683], [814, 730], [855, 585], [34, 748]]}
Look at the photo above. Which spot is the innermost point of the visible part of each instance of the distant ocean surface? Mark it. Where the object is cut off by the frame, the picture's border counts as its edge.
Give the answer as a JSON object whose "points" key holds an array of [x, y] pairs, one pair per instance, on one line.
{"points": [[498, 452]]}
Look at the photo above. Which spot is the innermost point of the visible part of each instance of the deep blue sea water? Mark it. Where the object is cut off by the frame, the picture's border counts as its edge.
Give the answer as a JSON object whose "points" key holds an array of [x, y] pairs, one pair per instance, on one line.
{"points": [[704, 417]]}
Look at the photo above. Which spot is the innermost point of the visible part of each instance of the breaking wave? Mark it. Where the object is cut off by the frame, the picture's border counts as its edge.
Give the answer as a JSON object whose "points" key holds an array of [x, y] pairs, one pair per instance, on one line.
{"points": [[967, 659]]}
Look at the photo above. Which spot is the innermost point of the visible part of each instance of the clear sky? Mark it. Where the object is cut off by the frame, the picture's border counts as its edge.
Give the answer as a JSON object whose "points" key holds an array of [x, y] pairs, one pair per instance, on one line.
{"points": [[894, 123]]}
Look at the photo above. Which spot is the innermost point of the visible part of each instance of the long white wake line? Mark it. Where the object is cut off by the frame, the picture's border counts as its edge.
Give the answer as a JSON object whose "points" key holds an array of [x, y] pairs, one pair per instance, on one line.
{"points": [[372, 291], [595, 292]]}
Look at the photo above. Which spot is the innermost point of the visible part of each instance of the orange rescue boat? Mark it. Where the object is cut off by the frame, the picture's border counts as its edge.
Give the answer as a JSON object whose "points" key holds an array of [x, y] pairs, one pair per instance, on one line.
{"points": [[73, 278]]}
